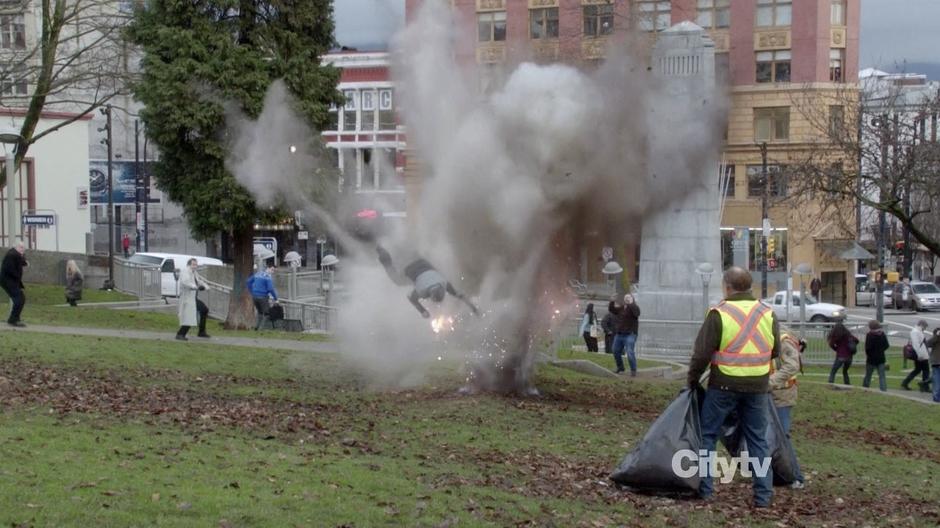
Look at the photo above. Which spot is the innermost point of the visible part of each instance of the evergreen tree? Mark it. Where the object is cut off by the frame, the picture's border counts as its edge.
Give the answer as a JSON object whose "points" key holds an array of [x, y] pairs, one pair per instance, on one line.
{"points": [[199, 53]]}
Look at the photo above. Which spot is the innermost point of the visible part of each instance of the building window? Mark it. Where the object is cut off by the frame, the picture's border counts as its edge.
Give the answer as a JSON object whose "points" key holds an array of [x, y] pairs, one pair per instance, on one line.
{"points": [[713, 14], [773, 66], [387, 120], [772, 123], [14, 82], [367, 117], [836, 120], [653, 15], [389, 179], [13, 31], [349, 110], [773, 13], [838, 13], [598, 20], [726, 182], [776, 181], [491, 27], [543, 23], [836, 71], [722, 68]]}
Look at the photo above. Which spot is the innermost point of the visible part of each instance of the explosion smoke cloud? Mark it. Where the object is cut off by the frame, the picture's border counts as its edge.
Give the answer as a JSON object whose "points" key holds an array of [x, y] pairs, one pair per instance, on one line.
{"points": [[509, 182]]}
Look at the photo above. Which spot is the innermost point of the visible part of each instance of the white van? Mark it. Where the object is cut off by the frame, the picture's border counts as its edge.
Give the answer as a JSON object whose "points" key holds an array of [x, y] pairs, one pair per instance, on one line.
{"points": [[169, 264]]}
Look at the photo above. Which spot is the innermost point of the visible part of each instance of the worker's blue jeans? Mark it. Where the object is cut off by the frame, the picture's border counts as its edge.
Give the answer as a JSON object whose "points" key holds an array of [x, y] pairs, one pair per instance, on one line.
{"points": [[752, 415]]}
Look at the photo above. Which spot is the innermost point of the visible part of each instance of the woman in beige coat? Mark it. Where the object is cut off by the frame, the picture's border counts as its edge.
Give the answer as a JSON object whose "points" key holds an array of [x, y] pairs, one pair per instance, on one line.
{"points": [[190, 283], [784, 370]]}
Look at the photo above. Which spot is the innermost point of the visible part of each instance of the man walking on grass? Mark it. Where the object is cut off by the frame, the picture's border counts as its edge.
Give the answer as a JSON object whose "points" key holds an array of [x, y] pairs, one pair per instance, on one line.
{"points": [[11, 280]]}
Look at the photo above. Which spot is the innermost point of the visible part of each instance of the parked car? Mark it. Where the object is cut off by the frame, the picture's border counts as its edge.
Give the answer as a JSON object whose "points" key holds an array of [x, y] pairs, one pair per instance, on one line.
{"points": [[817, 312], [865, 296], [170, 264], [926, 295]]}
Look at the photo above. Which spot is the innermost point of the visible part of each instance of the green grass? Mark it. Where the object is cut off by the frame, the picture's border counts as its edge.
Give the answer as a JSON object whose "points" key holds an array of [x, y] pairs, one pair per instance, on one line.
{"points": [[605, 360], [45, 305], [83, 446]]}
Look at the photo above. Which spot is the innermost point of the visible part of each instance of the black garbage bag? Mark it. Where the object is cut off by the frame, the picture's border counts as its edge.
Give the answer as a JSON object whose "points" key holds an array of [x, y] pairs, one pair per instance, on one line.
{"points": [[783, 457], [649, 466]]}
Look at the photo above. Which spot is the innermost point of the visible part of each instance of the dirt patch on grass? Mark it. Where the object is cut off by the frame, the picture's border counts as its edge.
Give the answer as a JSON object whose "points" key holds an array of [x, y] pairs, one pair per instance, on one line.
{"points": [[890, 444]]}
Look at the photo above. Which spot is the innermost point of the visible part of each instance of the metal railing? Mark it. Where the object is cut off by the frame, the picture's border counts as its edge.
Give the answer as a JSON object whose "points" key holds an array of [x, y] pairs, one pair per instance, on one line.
{"points": [[141, 280], [312, 316]]}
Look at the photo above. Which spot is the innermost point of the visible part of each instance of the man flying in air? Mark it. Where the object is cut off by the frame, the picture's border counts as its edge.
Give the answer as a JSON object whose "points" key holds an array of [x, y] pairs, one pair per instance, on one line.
{"points": [[428, 282]]}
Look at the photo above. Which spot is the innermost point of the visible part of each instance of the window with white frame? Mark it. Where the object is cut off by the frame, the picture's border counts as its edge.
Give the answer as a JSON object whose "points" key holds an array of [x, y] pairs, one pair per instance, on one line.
{"points": [[387, 120], [773, 66], [772, 123], [14, 82], [713, 14], [653, 15], [13, 32], [837, 13], [349, 110], [772, 13], [598, 20], [836, 63], [543, 23], [491, 26], [367, 117]]}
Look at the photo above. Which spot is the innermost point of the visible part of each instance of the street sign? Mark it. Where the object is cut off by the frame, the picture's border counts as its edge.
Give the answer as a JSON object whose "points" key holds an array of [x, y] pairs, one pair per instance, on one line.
{"points": [[303, 235], [607, 253], [38, 220]]}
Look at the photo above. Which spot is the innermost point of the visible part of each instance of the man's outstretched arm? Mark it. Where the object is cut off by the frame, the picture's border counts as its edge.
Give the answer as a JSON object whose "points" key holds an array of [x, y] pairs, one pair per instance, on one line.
{"points": [[413, 297], [453, 291]]}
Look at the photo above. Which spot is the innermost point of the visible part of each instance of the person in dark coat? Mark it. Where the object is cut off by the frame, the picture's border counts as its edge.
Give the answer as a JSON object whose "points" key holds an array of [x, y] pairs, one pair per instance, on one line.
{"points": [[427, 281], [626, 325], [74, 281], [876, 343], [844, 344], [814, 286], [11, 280]]}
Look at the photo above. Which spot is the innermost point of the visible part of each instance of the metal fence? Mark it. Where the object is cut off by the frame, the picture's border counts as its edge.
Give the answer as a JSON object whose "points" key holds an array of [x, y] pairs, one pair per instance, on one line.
{"points": [[141, 280], [311, 316]]}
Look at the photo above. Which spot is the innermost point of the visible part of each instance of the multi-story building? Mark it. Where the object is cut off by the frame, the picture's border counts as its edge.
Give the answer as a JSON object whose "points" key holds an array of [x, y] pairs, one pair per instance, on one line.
{"points": [[772, 55], [365, 136]]}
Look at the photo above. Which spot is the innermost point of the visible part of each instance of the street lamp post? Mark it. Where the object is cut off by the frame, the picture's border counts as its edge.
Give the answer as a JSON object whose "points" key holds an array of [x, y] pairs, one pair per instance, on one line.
{"points": [[764, 220], [805, 271], [12, 138], [106, 111], [705, 271]]}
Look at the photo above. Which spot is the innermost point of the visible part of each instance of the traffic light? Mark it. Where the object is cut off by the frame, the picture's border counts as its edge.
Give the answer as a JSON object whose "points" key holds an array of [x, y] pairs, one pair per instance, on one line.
{"points": [[771, 245]]}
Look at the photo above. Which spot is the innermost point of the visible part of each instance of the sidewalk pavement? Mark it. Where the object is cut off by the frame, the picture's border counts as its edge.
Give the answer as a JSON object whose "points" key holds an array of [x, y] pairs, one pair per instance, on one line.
{"points": [[253, 342]]}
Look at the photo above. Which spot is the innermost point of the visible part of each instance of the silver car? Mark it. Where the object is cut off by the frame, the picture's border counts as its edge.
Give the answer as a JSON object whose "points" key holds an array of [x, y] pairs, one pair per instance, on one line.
{"points": [[926, 295]]}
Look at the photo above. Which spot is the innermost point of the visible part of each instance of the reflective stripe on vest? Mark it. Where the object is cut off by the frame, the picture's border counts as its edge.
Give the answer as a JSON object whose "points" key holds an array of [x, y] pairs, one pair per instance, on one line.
{"points": [[746, 339]]}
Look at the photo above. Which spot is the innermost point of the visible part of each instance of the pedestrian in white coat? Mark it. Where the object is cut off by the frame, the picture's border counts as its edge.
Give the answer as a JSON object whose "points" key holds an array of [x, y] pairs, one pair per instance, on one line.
{"points": [[189, 309], [922, 363]]}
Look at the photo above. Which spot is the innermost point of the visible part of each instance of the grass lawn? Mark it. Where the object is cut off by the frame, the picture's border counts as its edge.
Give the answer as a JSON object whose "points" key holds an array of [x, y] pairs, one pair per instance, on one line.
{"points": [[97, 432], [606, 360], [45, 306]]}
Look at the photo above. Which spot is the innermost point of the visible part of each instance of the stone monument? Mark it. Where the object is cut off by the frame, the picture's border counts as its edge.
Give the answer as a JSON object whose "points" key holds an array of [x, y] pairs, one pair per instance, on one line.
{"points": [[676, 242]]}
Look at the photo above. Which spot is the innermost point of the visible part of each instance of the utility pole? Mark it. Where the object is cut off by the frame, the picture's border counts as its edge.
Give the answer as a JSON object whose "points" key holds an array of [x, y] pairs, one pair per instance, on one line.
{"points": [[882, 221], [107, 113], [765, 222], [137, 182], [146, 197]]}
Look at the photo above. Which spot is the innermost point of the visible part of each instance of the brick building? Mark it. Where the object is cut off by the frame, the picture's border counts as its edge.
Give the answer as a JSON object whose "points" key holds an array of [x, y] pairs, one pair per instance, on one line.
{"points": [[770, 54]]}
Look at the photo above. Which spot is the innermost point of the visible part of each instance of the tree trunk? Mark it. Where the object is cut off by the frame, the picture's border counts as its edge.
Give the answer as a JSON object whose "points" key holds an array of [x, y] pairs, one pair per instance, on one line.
{"points": [[241, 311]]}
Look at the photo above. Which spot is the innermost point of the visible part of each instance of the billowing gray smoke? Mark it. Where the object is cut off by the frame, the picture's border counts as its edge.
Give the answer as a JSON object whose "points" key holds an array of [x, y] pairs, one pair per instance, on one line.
{"points": [[510, 183]]}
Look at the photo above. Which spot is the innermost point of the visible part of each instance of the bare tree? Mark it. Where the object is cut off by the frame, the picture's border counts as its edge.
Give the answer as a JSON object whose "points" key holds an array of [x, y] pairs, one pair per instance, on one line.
{"points": [[870, 151], [77, 62]]}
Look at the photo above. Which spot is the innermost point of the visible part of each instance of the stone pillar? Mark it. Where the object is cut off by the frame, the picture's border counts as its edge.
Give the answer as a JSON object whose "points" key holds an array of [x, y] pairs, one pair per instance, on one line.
{"points": [[677, 240]]}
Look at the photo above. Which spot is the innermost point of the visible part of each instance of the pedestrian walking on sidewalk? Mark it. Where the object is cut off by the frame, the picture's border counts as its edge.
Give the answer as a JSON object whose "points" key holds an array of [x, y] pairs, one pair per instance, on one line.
{"points": [[922, 362], [876, 344], [845, 345], [189, 310], [934, 343], [626, 328], [11, 280], [589, 328]]}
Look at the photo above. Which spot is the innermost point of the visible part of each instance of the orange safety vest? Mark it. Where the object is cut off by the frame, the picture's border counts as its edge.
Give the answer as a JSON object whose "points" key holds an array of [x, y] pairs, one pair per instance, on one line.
{"points": [[747, 339]]}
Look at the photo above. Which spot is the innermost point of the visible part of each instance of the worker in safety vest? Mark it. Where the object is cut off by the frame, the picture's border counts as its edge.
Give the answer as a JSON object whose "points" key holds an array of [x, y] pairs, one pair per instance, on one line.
{"points": [[738, 340], [783, 372]]}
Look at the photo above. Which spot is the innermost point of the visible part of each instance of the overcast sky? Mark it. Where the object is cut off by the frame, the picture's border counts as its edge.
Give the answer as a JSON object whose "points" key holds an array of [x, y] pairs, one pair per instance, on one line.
{"points": [[892, 30]]}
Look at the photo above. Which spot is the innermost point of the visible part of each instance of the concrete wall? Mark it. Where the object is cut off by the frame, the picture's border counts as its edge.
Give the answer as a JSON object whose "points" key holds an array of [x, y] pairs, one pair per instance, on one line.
{"points": [[48, 267]]}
